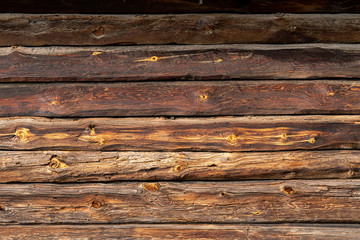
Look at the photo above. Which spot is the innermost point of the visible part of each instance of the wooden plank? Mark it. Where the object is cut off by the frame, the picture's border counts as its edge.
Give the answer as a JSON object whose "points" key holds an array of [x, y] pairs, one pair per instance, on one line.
{"points": [[179, 62], [183, 134], [48, 29], [184, 231], [73, 166], [180, 98], [178, 6], [170, 202]]}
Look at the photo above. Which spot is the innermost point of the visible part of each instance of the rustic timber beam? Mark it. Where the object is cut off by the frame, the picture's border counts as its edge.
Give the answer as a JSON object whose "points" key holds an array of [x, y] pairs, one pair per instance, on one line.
{"points": [[180, 98], [179, 6], [215, 62], [169, 202], [183, 134], [74, 166], [184, 231], [48, 29]]}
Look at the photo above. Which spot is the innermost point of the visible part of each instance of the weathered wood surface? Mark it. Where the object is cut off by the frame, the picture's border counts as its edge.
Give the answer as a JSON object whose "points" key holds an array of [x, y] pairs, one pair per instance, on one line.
{"points": [[184, 231], [179, 62], [180, 98], [161, 202], [59, 166], [179, 6], [40, 30], [183, 134]]}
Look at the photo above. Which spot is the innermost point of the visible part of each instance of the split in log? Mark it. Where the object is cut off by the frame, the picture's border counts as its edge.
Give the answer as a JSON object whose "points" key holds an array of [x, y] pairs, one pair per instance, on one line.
{"points": [[235, 98], [316, 201], [184, 231], [214, 62], [184, 134], [73, 166], [41, 30]]}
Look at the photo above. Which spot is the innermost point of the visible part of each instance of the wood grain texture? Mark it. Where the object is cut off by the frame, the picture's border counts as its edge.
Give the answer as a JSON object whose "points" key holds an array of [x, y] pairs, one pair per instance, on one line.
{"points": [[179, 6], [180, 98], [179, 62], [315, 201], [184, 231], [40, 30], [60, 166], [183, 134]]}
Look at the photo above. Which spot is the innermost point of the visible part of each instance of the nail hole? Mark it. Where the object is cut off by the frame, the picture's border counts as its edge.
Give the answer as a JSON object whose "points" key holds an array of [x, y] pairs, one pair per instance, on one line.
{"points": [[288, 190], [212, 165]]}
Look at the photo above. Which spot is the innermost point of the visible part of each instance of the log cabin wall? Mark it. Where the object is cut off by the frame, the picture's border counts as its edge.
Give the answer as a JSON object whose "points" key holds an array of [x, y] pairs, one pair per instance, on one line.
{"points": [[179, 119]]}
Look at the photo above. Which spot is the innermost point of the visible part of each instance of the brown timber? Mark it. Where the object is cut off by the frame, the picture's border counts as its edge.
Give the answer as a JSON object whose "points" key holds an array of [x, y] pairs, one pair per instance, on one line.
{"points": [[75, 29], [184, 231], [213, 98], [210, 62], [316, 201], [74, 166]]}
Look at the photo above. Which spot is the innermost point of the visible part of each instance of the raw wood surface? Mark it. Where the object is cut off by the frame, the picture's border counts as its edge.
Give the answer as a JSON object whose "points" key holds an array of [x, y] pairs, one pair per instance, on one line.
{"points": [[317, 201], [184, 231], [213, 98], [40, 30], [182, 134], [60, 166], [21, 64], [179, 6]]}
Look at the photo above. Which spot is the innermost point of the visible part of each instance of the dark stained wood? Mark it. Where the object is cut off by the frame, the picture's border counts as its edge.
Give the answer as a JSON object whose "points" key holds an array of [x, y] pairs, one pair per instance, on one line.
{"points": [[183, 134], [180, 98], [179, 6], [58, 166], [207, 202], [184, 231], [40, 30], [179, 62]]}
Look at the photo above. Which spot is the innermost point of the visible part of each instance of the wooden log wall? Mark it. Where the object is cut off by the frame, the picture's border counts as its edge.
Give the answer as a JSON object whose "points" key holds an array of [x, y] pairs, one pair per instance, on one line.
{"points": [[180, 119]]}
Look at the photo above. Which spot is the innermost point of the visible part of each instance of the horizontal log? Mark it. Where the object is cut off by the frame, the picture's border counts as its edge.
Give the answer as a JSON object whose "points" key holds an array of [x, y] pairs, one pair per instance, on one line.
{"points": [[184, 231], [73, 166], [178, 6], [183, 134], [138, 63], [180, 98], [165, 202], [48, 29]]}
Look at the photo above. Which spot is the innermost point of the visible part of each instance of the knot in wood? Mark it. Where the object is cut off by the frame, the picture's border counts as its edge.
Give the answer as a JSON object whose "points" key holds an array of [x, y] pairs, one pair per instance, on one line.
{"points": [[98, 32], [232, 139], [154, 58], [288, 190], [56, 163], [152, 187], [178, 168], [23, 134], [96, 204], [203, 97]]}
